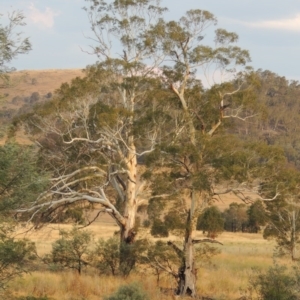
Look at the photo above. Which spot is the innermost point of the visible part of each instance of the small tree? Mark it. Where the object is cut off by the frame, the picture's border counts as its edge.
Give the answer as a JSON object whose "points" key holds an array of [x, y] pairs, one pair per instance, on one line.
{"points": [[71, 250], [276, 284], [211, 221], [15, 256], [162, 258], [106, 256]]}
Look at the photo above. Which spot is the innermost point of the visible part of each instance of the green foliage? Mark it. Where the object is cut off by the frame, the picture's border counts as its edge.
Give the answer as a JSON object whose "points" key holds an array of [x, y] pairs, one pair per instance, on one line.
{"points": [[162, 258], [16, 256], [235, 217], [74, 214], [146, 223], [106, 256], [175, 220], [21, 180], [155, 208], [131, 255], [276, 284], [132, 291], [11, 43], [115, 258], [71, 250], [256, 216], [283, 213], [159, 229], [211, 221]]}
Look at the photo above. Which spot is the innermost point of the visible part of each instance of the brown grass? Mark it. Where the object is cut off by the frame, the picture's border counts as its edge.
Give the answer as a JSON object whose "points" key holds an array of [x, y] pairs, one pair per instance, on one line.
{"points": [[225, 278], [24, 83]]}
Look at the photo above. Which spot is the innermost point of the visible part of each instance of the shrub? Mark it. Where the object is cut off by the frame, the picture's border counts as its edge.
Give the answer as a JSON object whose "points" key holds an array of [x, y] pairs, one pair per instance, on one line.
{"points": [[16, 256], [146, 223], [111, 257], [129, 292], [71, 249], [159, 229], [276, 284]]}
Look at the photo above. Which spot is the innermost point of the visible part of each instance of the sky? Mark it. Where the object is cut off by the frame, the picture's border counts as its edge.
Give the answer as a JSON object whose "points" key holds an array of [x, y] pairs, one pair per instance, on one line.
{"points": [[58, 31]]}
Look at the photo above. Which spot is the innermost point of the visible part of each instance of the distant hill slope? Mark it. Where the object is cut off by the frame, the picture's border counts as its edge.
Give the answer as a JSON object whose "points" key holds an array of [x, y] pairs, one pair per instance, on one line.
{"points": [[26, 88], [24, 83]]}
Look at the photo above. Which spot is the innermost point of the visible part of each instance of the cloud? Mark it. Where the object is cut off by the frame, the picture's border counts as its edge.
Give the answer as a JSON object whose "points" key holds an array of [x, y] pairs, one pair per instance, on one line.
{"points": [[46, 18], [292, 24]]}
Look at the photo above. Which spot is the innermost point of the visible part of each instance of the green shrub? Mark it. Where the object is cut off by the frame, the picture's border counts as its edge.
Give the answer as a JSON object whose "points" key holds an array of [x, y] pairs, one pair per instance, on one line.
{"points": [[131, 291], [159, 229], [146, 223], [276, 284], [111, 257]]}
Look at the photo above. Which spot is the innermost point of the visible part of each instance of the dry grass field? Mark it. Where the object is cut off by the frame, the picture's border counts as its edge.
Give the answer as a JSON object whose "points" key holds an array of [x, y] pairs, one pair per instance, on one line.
{"points": [[225, 278]]}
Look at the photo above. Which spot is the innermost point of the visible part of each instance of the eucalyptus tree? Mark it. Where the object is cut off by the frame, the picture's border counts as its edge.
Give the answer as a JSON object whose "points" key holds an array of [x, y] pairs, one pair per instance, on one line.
{"points": [[95, 130], [201, 153], [12, 43]]}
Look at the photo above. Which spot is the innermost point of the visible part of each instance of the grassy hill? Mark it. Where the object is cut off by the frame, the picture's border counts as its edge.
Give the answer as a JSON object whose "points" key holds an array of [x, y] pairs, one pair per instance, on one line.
{"points": [[26, 88]]}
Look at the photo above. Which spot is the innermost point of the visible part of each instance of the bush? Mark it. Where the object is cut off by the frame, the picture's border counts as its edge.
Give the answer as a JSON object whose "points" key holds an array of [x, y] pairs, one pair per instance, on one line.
{"points": [[71, 249], [146, 223], [111, 257], [159, 229], [275, 284], [129, 292], [16, 256]]}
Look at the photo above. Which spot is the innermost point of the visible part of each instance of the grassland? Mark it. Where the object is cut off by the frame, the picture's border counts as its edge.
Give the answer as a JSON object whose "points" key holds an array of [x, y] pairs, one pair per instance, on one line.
{"points": [[227, 277]]}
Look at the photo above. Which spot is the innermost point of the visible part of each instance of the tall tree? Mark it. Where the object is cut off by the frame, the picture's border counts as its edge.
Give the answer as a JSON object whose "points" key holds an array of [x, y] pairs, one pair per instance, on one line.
{"points": [[94, 132], [201, 152], [12, 43]]}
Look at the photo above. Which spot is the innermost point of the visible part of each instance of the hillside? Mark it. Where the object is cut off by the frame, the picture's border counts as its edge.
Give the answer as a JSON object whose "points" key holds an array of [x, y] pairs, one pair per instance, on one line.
{"points": [[28, 87], [24, 83]]}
